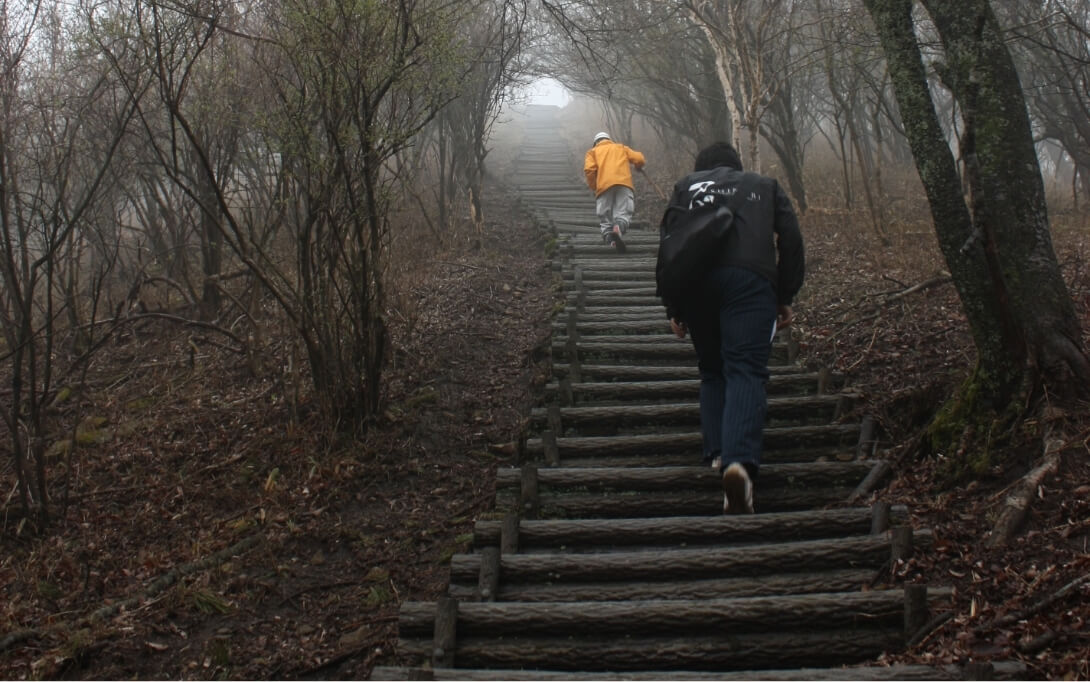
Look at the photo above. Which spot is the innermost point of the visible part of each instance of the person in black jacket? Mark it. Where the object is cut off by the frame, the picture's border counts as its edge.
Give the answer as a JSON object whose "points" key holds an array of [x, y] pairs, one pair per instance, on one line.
{"points": [[732, 313]]}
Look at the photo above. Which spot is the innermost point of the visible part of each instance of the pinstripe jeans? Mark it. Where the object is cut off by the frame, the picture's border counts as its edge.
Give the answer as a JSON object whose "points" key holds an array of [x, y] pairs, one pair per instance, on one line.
{"points": [[731, 320]]}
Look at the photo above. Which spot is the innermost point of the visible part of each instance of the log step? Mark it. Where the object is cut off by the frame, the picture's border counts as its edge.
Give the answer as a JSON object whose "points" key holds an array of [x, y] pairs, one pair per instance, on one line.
{"points": [[803, 408], [655, 503], [797, 438], [724, 617], [1002, 670], [677, 531], [644, 245], [779, 384], [592, 342], [598, 310], [600, 269], [645, 347], [644, 298], [811, 454], [626, 288], [641, 492], [655, 324], [702, 633], [596, 260], [637, 314], [646, 234], [735, 652], [841, 580], [799, 475], [656, 373], [689, 563]]}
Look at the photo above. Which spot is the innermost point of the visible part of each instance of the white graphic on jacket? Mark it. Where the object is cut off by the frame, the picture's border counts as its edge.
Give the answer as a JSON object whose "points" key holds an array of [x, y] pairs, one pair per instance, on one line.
{"points": [[706, 193]]}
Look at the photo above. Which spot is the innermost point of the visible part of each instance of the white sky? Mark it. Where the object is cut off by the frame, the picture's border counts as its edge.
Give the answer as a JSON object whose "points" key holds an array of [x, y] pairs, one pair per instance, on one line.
{"points": [[548, 91]]}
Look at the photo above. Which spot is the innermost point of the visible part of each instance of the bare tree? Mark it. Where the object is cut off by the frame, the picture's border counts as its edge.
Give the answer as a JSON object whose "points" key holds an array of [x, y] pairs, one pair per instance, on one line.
{"points": [[846, 74], [1051, 44], [749, 40], [644, 59], [58, 136], [348, 85], [726, 66], [496, 31]]}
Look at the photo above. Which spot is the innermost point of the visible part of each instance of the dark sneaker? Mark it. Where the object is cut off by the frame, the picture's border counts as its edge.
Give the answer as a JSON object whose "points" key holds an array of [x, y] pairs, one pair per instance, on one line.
{"points": [[737, 490], [615, 239]]}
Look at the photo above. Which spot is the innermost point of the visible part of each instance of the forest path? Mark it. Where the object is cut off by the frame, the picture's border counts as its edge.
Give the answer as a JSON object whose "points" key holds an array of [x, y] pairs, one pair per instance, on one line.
{"points": [[607, 556]]}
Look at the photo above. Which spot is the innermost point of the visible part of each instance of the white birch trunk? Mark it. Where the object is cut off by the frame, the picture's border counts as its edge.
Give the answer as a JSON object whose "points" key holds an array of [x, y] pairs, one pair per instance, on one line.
{"points": [[722, 70]]}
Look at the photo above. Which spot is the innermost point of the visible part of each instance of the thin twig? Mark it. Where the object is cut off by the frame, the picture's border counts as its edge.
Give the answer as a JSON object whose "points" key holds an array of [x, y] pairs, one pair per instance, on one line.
{"points": [[459, 265], [320, 586], [929, 629], [865, 351], [1033, 609], [112, 491], [153, 589]]}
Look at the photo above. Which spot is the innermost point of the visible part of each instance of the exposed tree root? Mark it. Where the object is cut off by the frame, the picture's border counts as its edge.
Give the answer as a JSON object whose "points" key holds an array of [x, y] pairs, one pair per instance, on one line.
{"points": [[1036, 607], [929, 628], [1017, 503], [888, 298]]}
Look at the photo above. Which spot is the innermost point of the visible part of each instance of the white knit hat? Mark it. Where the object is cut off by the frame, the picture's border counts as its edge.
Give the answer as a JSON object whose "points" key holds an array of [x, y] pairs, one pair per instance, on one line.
{"points": [[601, 136]]}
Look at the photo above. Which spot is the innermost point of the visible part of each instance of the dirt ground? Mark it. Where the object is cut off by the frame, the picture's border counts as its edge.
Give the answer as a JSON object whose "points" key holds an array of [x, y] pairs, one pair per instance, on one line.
{"points": [[890, 319], [211, 532]]}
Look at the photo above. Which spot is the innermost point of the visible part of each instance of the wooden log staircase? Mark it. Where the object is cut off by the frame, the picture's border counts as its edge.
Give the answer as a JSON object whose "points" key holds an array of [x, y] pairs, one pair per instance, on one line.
{"points": [[608, 556]]}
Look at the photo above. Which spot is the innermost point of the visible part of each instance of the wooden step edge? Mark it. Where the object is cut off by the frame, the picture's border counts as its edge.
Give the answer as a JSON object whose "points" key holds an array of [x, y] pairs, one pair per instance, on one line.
{"points": [[985, 670], [588, 412], [621, 504], [679, 529], [776, 437], [674, 563], [686, 376], [780, 613], [774, 454], [661, 342], [810, 582], [738, 651], [679, 371], [687, 372], [666, 477]]}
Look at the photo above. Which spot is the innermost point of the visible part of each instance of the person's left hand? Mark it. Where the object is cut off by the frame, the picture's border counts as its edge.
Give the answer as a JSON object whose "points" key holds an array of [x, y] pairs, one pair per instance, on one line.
{"points": [[679, 328], [784, 316]]}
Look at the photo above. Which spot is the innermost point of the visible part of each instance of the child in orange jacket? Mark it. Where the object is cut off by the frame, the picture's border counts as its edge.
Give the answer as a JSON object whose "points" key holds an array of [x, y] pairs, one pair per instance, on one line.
{"points": [[608, 176]]}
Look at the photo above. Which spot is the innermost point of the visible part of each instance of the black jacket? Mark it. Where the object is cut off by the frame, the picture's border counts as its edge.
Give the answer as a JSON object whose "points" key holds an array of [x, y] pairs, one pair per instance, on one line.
{"points": [[765, 238]]}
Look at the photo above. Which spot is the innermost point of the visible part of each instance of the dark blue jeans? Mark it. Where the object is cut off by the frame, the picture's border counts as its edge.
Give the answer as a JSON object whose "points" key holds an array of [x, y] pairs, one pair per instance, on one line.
{"points": [[731, 319]]}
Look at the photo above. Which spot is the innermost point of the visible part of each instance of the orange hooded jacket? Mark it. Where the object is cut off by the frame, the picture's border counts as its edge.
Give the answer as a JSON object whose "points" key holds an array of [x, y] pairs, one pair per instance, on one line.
{"points": [[606, 165]]}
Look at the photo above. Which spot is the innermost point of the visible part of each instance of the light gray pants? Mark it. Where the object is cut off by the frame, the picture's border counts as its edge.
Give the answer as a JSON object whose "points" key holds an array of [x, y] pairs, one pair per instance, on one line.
{"points": [[615, 206]]}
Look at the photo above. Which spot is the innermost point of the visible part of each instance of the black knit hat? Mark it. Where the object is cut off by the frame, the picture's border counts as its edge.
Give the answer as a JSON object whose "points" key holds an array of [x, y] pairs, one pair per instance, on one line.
{"points": [[717, 154]]}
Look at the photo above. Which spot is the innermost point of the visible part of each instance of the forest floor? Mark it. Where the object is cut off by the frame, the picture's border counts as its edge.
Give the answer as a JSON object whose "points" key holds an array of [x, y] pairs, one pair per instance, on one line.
{"points": [[896, 329], [211, 533]]}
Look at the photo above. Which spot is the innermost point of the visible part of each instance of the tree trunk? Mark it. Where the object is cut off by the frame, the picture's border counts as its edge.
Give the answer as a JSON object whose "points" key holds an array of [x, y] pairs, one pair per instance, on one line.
{"points": [[870, 174], [753, 155], [782, 134], [210, 235], [998, 251], [1007, 193], [722, 70]]}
